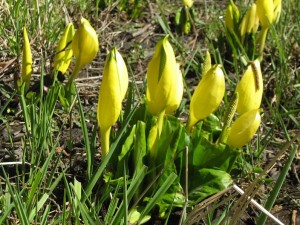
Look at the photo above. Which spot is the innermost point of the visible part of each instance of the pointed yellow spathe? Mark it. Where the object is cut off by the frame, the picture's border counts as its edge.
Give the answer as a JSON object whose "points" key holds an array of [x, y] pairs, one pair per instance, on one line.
{"points": [[232, 16], [250, 22], [85, 46], [265, 12], [112, 92], [207, 96], [164, 80], [173, 106], [64, 50], [250, 88], [244, 128], [26, 59]]}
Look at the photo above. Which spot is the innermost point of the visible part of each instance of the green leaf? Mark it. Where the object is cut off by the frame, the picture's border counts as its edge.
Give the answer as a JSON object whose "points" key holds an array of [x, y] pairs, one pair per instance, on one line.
{"points": [[139, 145], [135, 214], [172, 140], [212, 125], [124, 155], [208, 182], [159, 194], [85, 133], [208, 155], [36, 209]]}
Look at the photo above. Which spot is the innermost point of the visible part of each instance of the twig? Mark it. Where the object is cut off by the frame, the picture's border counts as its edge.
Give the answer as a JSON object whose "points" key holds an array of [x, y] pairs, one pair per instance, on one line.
{"points": [[13, 163], [256, 204], [242, 203]]}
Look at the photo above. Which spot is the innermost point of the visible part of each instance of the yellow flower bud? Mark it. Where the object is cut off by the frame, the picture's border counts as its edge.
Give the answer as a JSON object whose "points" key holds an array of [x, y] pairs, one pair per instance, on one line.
{"points": [[244, 128], [112, 92], [177, 95], [250, 88], [85, 46], [232, 16], [250, 22], [207, 96], [64, 50], [265, 12], [188, 3], [164, 80], [26, 59]]}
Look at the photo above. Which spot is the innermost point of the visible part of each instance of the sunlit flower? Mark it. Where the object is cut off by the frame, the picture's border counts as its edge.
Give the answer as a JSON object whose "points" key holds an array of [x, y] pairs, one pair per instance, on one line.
{"points": [[232, 16], [207, 96], [112, 92], [164, 80], [26, 59], [244, 128], [265, 12], [85, 46], [250, 22], [64, 50], [250, 88]]}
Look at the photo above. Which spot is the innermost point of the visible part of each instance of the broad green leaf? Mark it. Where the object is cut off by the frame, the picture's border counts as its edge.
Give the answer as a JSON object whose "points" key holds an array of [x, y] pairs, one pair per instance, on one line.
{"points": [[208, 182], [208, 155], [124, 155]]}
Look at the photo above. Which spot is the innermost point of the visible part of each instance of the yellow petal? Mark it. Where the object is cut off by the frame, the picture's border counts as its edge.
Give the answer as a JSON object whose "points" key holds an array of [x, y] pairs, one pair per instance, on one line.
{"points": [[112, 91], [64, 50], [250, 88], [253, 19], [244, 128], [85, 44], [265, 12], [208, 95], [178, 93], [250, 22], [232, 16], [243, 26], [26, 58], [163, 79]]}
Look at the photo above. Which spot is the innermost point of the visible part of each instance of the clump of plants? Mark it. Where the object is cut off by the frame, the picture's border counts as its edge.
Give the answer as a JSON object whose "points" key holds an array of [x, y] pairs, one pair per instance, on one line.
{"points": [[154, 161]]}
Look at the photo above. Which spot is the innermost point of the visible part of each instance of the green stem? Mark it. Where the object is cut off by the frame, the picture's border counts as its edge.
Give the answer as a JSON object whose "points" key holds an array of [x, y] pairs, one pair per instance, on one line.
{"points": [[155, 133], [160, 121], [74, 74], [263, 37], [105, 134], [154, 145], [24, 109], [189, 125]]}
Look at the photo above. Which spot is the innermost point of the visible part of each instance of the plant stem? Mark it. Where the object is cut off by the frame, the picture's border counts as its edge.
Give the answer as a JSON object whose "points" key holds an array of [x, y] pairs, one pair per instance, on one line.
{"points": [[263, 37], [73, 75], [160, 121], [105, 134]]}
